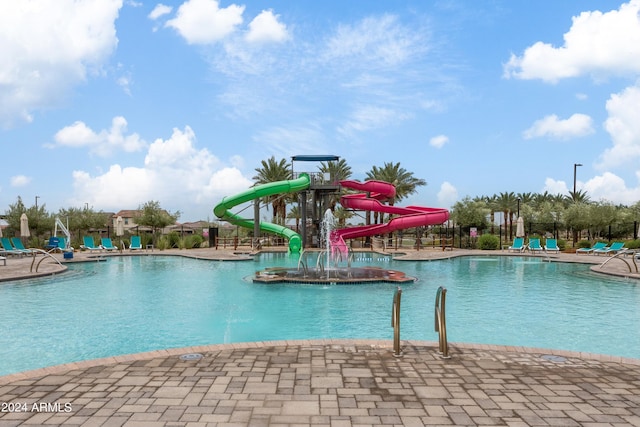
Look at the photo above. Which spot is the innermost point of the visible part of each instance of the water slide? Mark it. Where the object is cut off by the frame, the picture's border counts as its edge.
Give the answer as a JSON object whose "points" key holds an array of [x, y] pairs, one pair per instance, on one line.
{"points": [[272, 188], [374, 193]]}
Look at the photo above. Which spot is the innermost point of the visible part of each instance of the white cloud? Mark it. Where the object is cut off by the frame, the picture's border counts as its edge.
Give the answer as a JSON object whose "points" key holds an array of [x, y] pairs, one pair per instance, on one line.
{"points": [[575, 126], [292, 140], [600, 44], [204, 22], [375, 41], [439, 141], [370, 117], [160, 10], [49, 46], [175, 173], [266, 28], [102, 143], [623, 124], [611, 187], [20, 180], [555, 187], [607, 186], [447, 195]]}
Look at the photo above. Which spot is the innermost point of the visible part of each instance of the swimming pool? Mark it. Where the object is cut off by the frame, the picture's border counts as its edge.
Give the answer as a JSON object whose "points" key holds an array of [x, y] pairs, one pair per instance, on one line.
{"points": [[135, 304]]}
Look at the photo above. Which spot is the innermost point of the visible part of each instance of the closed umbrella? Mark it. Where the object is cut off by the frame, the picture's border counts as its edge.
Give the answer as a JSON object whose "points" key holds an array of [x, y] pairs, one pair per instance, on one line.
{"points": [[520, 227], [24, 226], [119, 226]]}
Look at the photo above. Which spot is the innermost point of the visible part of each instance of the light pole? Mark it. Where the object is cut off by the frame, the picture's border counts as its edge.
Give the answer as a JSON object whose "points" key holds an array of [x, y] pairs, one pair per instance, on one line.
{"points": [[518, 207], [575, 166]]}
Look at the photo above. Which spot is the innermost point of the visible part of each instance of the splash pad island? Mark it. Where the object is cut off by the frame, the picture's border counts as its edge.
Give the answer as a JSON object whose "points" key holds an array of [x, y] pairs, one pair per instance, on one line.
{"points": [[333, 276], [331, 256]]}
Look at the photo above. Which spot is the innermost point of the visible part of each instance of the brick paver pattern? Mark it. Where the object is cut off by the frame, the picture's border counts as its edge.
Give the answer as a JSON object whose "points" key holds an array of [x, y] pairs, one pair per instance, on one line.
{"points": [[332, 384]]}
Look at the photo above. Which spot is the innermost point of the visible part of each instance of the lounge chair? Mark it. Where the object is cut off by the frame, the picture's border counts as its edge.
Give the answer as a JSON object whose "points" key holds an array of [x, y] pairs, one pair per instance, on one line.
{"points": [[518, 245], [108, 245], [597, 245], [7, 247], [135, 243], [17, 244], [610, 250], [89, 244], [551, 245], [534, 245], [63, 245]]}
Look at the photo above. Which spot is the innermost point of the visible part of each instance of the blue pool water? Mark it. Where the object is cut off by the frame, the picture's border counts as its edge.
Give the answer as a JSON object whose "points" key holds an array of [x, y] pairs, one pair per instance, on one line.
{"points": [[135, 304]]}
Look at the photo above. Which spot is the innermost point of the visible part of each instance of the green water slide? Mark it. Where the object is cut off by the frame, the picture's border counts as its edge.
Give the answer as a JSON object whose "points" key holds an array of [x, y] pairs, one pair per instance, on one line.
{"points": [[270, 189]]}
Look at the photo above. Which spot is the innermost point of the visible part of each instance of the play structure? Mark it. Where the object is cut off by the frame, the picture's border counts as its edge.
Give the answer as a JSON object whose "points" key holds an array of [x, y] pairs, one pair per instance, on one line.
{"points": [[316, 194], [371, 198]]}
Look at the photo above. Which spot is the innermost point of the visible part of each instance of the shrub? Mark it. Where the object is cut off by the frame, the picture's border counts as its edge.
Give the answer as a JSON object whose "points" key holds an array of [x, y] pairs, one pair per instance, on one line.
{"points": [[562, 244], [633, 244], [174, 239], [584, 244], [488, 242]]}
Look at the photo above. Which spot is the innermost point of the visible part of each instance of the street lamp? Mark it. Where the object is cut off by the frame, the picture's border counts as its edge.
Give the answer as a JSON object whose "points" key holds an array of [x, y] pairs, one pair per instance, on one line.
{"points": [[575, 166], [518, 207]]}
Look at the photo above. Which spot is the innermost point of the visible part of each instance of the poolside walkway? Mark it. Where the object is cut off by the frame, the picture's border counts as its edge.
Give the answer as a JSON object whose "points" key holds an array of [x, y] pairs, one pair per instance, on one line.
{"points": [[329, 383]]}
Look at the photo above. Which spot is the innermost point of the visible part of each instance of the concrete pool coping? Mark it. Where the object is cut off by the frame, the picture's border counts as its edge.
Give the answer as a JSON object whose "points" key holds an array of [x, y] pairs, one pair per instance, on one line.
{"points": [[21, 267], [331, 383]]}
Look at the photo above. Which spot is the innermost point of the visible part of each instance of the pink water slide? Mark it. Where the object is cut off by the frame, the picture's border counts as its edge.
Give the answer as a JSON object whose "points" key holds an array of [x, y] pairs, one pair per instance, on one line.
{"points": [[374, 193]]}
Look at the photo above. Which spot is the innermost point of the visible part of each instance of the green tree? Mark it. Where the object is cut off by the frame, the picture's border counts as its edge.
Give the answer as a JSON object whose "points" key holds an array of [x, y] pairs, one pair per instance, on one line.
{"points": [[272, 171], [152, 215], [406, 184], [338, 171], [470, 213], [507, 203], [12, 216], [577, 218]]}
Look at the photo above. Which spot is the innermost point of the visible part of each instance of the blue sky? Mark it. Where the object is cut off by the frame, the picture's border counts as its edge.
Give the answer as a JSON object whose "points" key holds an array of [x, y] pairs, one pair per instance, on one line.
{"points": [[115, 103]]}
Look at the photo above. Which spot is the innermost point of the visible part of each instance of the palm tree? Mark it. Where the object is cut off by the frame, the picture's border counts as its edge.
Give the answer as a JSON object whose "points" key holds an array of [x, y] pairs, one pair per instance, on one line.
{"points": [[337, 171], [578, 197], [506, 202], [404, 181], [272, 171]]}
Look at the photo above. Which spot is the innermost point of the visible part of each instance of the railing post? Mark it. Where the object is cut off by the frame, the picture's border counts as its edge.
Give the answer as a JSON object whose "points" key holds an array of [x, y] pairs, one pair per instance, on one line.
{"points": [[395, 322], [441, 322]]}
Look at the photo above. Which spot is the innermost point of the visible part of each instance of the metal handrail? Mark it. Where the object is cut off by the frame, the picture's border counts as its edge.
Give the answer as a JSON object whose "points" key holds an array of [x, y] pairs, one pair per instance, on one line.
{"points": [[441, 322], [45, 253], [395, 322], [618, 256]]}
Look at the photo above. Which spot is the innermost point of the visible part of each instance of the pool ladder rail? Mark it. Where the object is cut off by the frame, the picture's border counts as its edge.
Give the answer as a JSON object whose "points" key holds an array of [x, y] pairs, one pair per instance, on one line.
{"points": [[619, 255], [440, 322]]}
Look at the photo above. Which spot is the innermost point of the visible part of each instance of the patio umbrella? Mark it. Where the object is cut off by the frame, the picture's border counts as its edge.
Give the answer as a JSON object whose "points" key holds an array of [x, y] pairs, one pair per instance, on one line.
{"points": [[520, 227], [24, 226], [119, 226]]}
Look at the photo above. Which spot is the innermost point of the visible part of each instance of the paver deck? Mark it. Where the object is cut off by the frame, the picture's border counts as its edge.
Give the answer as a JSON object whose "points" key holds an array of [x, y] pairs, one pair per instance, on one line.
{"points": [[332, 383]]}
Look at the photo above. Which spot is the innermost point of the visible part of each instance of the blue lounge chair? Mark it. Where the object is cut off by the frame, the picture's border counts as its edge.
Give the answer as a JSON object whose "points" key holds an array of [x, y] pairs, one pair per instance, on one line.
{"points": [[8, 249], [108, 244], [89, 244], [63, 245], [17, 245], [551, 245], [518, 245], [597, 245], [610, 250], [534, 245], [135, 243]]}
